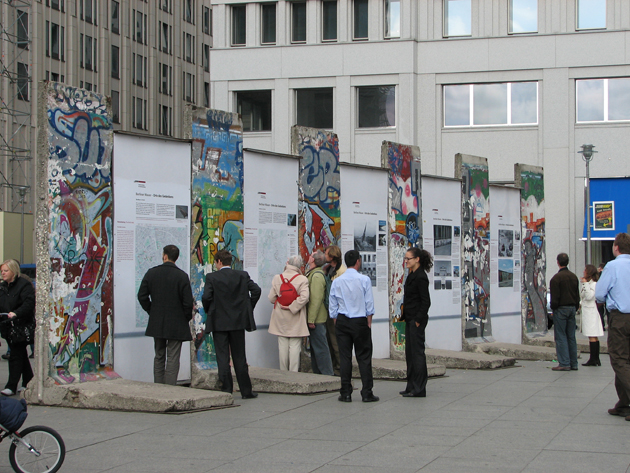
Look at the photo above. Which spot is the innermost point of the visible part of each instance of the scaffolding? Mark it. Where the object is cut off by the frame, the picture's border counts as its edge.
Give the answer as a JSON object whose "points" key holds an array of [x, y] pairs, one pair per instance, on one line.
{"points": [[15, 106]]}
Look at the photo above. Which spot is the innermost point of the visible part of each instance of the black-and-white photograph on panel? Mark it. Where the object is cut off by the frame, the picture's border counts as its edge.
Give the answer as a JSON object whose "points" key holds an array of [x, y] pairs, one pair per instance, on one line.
{"points": [[506, 243], [443, 239]]}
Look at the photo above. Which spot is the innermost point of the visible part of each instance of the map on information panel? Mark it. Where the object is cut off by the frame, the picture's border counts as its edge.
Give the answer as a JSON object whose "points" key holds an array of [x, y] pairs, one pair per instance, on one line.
{"points": [[149, 244], [272, 254]]}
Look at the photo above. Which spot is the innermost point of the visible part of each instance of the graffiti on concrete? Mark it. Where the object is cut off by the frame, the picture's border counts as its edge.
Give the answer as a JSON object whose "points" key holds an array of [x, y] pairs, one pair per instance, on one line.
{"points": [[319, 222], [80, 234], [217, 203], [473, 172], [405, 229], [534, 289]]}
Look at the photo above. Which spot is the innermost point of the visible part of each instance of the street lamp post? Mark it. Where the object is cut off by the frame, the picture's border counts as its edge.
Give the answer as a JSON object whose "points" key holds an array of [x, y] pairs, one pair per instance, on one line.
{"points": [[22, 190], [587, 155]]}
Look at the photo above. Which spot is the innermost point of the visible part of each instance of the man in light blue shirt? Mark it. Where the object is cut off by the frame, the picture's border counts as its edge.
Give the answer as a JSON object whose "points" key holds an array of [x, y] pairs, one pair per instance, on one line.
{"points": [[613, 288], [351, 305]]}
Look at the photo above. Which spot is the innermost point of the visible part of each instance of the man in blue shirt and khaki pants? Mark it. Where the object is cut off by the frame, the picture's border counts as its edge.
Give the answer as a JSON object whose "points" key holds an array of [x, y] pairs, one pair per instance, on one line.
{"points": [[351, 305]]}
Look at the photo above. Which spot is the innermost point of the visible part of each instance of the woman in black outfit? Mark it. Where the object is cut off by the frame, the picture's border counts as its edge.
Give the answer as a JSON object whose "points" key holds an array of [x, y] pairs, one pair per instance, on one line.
{"points": [[415, 313], [17, 299]]}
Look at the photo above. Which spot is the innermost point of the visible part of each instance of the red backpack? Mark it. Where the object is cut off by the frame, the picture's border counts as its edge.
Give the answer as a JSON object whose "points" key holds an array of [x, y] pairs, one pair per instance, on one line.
{"points": [[288, 293]]}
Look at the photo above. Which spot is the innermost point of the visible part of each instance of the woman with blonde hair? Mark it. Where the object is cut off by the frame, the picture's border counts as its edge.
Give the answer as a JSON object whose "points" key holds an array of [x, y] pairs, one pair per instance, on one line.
{"points": [[288, 319], [591, 321]]}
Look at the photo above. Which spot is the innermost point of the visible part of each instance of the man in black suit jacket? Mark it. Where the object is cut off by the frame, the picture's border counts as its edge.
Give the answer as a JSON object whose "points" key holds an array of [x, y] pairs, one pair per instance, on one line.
{"points": [[166, 295], [229, 299]]}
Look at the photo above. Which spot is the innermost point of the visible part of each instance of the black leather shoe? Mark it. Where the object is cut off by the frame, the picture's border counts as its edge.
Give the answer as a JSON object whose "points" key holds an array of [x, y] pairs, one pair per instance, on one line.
{"points": [[592, 363], [370, 398], [423, 394], [250, 396], [574, 368], [343, 398], [402, 393]]}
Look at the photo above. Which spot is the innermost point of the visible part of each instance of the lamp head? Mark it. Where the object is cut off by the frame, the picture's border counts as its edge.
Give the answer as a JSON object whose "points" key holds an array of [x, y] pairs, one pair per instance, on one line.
{"points": [[587, 152]]}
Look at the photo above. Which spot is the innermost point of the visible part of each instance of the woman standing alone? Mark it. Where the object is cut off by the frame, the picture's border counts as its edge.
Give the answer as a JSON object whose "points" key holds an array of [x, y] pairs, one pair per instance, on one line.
{"points": [[591, 321], [415, 313]]}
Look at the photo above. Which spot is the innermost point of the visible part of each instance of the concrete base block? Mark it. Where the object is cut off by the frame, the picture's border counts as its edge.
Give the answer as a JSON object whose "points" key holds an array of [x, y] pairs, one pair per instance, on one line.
{"points": [[477, 360], [395, 369], [520, 352], [268, 380], [547, 340], [124, 395]]}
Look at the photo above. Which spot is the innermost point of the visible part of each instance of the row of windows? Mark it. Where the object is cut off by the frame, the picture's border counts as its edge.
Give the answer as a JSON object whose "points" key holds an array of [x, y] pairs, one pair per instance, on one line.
{"points": [[376, 107], [523, 18], [139, 19]]}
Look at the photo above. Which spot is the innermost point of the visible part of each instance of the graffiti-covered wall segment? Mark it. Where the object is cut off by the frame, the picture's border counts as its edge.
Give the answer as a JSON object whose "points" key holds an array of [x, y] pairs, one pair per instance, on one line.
{"points": [[79, 201], [530, 179], [217, 208], [405, 228], [319, 222]]}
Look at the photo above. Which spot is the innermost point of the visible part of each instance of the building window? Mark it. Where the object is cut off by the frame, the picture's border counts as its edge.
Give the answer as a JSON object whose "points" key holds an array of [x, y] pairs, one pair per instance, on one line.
{"points": [[88, 11], [268, 23], [255, 109], [140, 27], [523, 16], [508, 103], [457, 18], [392, 18], [360, 19], [164, 5], [207, 25], [298, 22], [166, 34], [189, 48], [329, 20], [314, 108], [591, 14], [239, 25], [377, 106], [603, 100], [56, 4], [115, 106], [115, 17], [165, 120], [139, 70], [206, 94], [55, 41], [88, 86], [22, 29], [166, 76], [189, 8], [189, 87], [22, 81], [87, 52], [115, 62], [139, 112], [206, 57]]}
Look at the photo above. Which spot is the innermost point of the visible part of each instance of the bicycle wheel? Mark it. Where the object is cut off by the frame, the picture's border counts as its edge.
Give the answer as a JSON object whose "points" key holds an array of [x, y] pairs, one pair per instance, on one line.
{"points": [[46, 454]]}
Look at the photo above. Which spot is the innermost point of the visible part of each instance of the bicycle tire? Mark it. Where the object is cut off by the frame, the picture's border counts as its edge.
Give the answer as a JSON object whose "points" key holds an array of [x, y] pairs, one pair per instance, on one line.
{"points": [[47, 441]]}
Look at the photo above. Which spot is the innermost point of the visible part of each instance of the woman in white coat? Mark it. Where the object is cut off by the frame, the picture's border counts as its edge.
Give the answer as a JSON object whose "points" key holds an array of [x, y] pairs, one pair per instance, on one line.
{"points": [[591, 321], [289, 322]]}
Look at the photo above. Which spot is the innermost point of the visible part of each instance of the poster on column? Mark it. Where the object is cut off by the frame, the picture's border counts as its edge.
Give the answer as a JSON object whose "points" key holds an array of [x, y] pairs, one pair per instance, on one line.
{"points": [[364, 228], [270, 236], [505, 263], [151, 209], [441, 220]]}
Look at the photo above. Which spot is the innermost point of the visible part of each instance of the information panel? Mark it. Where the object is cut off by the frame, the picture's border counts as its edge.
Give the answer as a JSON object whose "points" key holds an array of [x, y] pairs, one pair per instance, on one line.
{"points": [[364, 228], [441, 219], [151, 210], [505, 263], [270, 237]]}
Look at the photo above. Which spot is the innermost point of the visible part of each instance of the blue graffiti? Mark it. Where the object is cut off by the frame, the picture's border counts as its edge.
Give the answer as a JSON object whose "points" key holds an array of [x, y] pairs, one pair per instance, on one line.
{"points": [[320, 176]]}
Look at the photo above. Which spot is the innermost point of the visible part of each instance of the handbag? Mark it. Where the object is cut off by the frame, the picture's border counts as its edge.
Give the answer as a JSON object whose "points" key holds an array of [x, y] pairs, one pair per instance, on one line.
{"points": [[22, 333]]}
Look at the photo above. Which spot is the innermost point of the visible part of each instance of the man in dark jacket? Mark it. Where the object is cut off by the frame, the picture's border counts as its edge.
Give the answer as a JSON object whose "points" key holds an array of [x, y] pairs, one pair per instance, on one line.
{"points": [[229, 298], [565, 300], [166, 295]]}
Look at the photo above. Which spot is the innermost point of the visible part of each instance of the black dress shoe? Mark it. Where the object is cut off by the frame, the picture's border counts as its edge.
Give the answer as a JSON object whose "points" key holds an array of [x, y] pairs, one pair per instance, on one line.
{"points": [[370, 398], [422, 394], [250, 396], [402, 393], [574, 368], [343, 398]]}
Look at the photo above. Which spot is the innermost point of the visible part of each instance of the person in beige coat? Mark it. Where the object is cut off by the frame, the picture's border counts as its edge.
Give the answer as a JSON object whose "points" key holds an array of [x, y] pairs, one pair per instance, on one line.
{"points": [[591, 321], [289, 323]]}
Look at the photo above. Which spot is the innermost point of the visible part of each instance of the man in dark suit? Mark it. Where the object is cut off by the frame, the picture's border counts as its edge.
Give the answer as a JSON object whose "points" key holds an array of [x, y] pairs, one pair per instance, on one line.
{"points": [[229, 299], [166, 295]]}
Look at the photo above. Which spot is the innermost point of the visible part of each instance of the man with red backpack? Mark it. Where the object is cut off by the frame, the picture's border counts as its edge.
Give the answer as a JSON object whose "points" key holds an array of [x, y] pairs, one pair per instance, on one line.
{"points": [[289, 295]]}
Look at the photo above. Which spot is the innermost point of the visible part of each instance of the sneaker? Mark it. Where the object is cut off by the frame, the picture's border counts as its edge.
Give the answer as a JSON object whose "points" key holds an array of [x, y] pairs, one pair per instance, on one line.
{"points": [[7, 392], [20, 389], [5, 356]]}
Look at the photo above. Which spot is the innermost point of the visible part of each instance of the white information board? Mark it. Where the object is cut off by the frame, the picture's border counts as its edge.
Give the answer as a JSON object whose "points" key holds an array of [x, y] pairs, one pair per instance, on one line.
{"points": [[505, 263], [441, 227], [270, 235], [364, 193], [151, 180]]}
